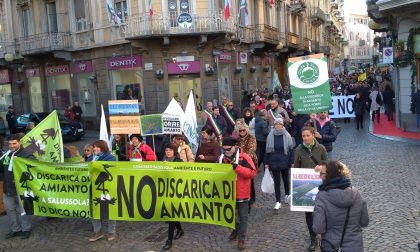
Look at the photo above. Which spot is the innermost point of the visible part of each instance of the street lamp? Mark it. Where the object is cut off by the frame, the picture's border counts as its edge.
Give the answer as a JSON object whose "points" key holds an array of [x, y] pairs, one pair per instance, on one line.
{"points": [[8, 57]]}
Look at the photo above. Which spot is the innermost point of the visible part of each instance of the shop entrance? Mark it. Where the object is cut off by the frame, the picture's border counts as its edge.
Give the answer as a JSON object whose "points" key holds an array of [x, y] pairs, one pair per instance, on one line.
{"points": [[180, 86]]}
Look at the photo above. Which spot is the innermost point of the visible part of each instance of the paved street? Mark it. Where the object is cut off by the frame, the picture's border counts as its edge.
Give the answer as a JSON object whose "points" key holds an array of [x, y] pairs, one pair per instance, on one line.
{"points": [[386, 172]]}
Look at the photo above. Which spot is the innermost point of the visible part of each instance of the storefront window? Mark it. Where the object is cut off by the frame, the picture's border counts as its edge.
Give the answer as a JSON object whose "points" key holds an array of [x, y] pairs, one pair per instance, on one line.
{"points": [[224, 82], [36, 94], [59, 91], [128, 85], [87, 98]]}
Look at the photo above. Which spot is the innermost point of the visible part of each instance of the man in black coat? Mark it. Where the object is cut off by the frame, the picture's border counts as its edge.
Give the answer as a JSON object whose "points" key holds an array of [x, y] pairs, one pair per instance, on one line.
{"points": [[20, 224], [220, 121], [233, 114], [416, 101], [77, 110], [11, 120]]}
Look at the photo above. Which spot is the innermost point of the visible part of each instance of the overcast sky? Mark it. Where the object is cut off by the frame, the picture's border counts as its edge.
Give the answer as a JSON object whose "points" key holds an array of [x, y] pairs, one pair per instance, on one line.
{"points": [[355, 6]]}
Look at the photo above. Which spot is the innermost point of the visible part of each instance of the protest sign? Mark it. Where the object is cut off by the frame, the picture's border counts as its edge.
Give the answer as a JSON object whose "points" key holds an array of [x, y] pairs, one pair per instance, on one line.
{"points": [[304, 185], [171, 124], [45, 141], [151, 124], [164, 191], [342, 107], [309, 83], [175, 109], [52, 189], [124, 116]]}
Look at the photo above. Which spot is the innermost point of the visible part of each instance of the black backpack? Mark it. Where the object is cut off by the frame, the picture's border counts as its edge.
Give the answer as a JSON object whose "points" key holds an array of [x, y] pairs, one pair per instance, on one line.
{"points": [[379, 98]]}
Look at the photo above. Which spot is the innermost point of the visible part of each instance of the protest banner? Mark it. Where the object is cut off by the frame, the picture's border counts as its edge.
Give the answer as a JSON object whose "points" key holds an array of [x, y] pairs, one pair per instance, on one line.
{"points": [[151, 124], [45, 141], [190, 123], [342, 107], [124, 116], [171, 124], [164, 191], [309, 83], [304, 185], [52, 189]]}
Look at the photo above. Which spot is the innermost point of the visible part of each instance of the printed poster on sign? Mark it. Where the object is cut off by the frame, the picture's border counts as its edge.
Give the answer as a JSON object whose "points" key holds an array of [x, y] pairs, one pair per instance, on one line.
{"points": [[171, 124], [342, 107], [151, 125], [164, 191], [53, 189], [124, 116], [304, 185], [309, 84]]}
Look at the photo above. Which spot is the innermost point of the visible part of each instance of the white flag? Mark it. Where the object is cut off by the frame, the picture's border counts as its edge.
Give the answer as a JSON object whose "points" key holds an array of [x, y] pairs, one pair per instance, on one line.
{"points": [[276, 81], [175, 109], [190, 124], [103, 131]]}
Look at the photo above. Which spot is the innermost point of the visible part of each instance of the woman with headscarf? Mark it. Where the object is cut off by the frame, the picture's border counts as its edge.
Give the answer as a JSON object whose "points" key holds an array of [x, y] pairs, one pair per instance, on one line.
{"points": [[340, 212], [279, 158], [248, 144], [171, 155]]}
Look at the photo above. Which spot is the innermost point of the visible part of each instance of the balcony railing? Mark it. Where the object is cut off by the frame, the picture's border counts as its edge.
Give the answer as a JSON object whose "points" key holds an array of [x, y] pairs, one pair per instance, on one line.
{"points": [[172, 23], [46, 42], [317, 16], [265, 33], [293, 40], [7, 47], [245, 34], [297, 6]]}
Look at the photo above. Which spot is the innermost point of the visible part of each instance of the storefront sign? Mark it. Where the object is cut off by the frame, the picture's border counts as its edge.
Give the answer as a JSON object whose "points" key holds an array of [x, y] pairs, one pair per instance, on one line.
{"points": [[171, 124], [304, 184], [309, 83], [32, 72], [243, 57], [184, 20], [57, 70], [164, 191], [125, 62], [183, 67], [225, 57], [5, 76], [83, 67], [148, 66], [257, 60]]}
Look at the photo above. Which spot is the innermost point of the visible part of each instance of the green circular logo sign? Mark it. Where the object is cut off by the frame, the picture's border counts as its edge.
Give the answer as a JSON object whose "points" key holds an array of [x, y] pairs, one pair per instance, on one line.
{"points": [[308, 72]]}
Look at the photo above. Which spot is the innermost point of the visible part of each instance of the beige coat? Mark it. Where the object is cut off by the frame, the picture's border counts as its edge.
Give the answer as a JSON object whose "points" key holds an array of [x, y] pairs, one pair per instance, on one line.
{"points": [[185, 153]]}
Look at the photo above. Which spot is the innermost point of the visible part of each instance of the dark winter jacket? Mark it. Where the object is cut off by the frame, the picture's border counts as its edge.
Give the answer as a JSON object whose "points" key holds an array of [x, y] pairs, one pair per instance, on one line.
{"points": [[210, 151], [229, 126], [222, 124], [107, 156], [303, 156], [277, 160], [261, 129], [358, 106], [388, 95], [330, 214], [9, 187], [328, 134]]}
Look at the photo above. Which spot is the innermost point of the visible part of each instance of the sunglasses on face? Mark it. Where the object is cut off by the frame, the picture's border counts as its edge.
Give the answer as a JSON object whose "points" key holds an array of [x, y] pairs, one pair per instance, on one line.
{"points": [[242, 130], [87, 150]]}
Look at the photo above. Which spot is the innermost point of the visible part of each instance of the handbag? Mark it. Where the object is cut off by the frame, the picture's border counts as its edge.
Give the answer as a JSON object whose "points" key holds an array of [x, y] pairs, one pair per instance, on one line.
{"points": [[333, 249], [267, 184]]}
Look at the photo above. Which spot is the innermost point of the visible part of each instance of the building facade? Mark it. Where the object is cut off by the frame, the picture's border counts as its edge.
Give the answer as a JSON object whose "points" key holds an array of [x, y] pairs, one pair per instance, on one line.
{"points": [[56, 52], [399, 21]]}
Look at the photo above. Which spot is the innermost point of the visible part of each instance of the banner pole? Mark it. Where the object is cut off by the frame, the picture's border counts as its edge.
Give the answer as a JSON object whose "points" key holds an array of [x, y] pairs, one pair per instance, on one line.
{"points": [[154, 147]]}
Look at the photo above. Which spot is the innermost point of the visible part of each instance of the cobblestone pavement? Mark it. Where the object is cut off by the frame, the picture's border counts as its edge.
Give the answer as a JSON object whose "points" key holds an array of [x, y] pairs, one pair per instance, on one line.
{"points": [[386, 172]]}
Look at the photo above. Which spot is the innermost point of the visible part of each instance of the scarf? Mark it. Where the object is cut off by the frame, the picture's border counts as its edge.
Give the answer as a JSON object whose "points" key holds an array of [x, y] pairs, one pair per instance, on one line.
{"points": [[335, 183], [165, 158], [248, 119], [287, 140], [309, 146], [97, 156]]}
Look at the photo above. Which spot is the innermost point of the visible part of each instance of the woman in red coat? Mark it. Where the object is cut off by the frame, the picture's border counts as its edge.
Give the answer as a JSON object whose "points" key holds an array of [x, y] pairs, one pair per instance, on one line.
{"points": [[139, 151]]}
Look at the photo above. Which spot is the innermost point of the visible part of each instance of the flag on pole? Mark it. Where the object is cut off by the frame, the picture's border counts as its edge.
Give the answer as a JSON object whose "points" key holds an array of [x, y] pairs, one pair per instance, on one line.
{"points": [[112, 16], [272, 2], [175, 109], [150, 8], [362, 77], [276, 81], [45, 141], [227, 9], [244, 7], [190, 123], [103, 131]]}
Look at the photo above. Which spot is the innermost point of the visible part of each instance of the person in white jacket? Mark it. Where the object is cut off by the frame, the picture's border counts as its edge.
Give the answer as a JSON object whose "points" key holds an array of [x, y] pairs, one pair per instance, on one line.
{"points": [[375, 107]]}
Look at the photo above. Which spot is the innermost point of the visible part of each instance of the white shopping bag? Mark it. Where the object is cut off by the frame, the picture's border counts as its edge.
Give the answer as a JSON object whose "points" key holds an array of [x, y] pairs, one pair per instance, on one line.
{"points": [[267, 184]]}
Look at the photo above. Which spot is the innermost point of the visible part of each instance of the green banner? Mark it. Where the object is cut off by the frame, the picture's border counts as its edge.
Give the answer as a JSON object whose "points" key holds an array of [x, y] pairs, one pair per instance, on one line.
{"points": [[52, 189], [45, 141], [164, 191], [309, 83], [151, 124]]}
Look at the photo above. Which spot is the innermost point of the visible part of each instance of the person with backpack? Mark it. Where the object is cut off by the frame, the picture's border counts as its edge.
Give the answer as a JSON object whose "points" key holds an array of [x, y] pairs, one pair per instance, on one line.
{"points": [[377, 101]]}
